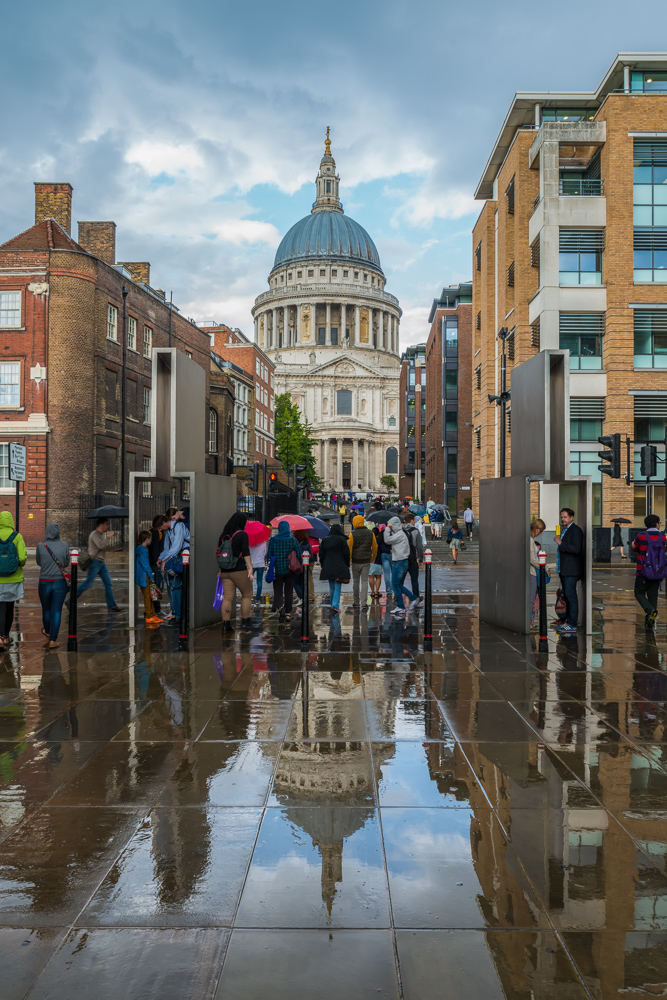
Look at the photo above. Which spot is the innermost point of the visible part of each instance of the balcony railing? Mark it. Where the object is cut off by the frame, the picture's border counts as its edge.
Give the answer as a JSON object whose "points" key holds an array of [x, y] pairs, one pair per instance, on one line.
{"points": [[581, 186]]}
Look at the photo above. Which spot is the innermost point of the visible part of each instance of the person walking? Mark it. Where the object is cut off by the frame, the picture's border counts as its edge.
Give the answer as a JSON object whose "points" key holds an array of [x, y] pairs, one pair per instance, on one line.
{"points": [[536, 528], [258, 560], [437, 519], [617, 540], [375, 569], [454, 539], [384, 557], [52, 557], [176, 539], [241, 576], [97, 546], [469, 520], [281, 547], [570, 566], [651, 567], [335, 562], [341, 510], [13, 557], [144, 576], [399, 543], [306, 545], [363, 548], [416, 558]]}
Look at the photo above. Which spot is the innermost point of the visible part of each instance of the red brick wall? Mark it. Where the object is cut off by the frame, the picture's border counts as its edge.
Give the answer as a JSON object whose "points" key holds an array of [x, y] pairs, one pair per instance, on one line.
{"points": [[405, 483]]}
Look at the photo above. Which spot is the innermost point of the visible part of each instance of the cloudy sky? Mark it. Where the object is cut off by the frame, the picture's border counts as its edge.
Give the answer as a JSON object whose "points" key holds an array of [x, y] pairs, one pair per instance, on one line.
{"points": [[198, 127]]}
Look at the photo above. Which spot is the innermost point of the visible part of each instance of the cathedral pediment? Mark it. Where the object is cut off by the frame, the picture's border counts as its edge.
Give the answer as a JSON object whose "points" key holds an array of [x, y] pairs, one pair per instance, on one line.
{"points": [[350, 367]]}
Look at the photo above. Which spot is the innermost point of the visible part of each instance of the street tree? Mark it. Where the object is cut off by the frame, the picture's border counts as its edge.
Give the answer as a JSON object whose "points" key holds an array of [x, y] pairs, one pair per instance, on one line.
{"points": [[295, 444]]}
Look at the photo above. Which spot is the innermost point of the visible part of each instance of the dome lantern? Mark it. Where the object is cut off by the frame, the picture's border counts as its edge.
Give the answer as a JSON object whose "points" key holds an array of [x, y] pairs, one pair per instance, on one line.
{"points": [[327, 182]]}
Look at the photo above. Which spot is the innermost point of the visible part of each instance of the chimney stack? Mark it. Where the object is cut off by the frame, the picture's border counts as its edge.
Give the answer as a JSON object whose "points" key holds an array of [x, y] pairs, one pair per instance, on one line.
{"points": [[139, 269], [99, 239], [54, 201]]}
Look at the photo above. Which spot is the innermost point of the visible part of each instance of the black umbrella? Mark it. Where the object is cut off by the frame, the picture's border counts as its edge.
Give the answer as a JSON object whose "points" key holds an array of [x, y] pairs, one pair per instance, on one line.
{"points": [[621, 520], [108, 511], [380, 516]]}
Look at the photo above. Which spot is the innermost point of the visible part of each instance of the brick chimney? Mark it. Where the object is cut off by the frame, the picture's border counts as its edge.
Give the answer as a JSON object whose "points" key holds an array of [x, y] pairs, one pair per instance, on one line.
{"points": [[139, 269], [99, 238], [54, 201]]}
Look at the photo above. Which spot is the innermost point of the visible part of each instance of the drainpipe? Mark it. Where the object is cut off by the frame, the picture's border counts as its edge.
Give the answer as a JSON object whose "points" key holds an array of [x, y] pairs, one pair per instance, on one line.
{"points": [[537, 116], [123, 388], [626, 79]]}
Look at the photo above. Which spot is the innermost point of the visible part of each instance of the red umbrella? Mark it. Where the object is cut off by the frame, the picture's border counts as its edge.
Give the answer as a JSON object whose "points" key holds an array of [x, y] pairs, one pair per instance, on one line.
{"points": [[257, 532], [295, 521]]}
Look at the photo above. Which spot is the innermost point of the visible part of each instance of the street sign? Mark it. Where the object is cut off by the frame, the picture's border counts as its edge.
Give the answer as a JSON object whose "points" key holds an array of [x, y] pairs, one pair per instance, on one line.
{"points": [[17, 462]]}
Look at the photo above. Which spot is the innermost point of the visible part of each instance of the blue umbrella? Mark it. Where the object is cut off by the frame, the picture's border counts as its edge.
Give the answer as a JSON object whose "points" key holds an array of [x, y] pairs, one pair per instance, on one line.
{"points": [[417, 508], [318, 529]]}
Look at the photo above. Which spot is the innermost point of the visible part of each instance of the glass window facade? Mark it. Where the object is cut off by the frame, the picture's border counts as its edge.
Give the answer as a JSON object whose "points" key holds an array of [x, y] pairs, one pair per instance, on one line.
{"points": [[650, 329], [650, 210], [581, 334], [10, 308], [585, 430], [10, 383], [648, 82], [344, 402]]}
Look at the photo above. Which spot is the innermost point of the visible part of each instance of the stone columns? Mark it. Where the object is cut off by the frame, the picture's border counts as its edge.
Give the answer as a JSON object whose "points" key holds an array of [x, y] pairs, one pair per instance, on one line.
{"points": [[298, 323], [343, 323], [355, 463], [313, 313], [286, 342], [257, 329], [274, 328], [370, 326], [367, 467], [339, 463], [328, 323], [357, 325], [325, 469]]}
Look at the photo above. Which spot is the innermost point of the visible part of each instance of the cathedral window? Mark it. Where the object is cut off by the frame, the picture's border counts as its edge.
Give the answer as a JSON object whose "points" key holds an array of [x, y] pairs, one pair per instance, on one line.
{"points": [[321, 335], [365, 277], [328, 187], [391, 465], [334, 273], [344, 402], [322, 272], [356, 275], [299, 274], [392, 421], [345, 274], [334, 336], [311, 273], [289, 275]]}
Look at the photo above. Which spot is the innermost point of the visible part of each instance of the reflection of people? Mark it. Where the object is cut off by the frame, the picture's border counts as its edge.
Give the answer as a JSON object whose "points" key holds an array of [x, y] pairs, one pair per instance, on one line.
{"points": [[570, 565]]}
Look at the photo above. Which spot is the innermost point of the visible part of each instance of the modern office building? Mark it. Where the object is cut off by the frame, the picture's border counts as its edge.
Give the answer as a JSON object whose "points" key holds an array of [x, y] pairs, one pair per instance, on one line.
{"points": [[412, 438], [570, 251]]}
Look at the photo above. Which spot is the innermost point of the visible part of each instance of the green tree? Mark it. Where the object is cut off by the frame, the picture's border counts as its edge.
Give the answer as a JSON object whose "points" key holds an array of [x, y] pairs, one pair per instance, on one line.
{"points": [[295, 443], [388, 482]]}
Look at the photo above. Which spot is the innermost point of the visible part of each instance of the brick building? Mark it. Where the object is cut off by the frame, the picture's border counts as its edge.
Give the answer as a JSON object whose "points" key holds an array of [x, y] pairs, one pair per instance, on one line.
{"points": [[233, 345], [76, 334], [448, 432], [570, 251], [220, 459], [412, 422]]}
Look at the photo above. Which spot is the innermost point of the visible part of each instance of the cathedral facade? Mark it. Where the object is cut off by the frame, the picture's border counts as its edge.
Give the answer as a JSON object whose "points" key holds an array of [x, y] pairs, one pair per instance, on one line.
{"points": [[331, 330]]}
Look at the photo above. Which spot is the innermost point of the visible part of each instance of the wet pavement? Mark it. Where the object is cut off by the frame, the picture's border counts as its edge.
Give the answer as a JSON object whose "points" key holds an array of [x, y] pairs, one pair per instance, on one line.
{"points": [[242, 820]]}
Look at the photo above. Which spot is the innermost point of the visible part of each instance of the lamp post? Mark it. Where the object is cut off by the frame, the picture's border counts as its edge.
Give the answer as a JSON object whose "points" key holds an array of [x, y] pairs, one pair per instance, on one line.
{"points": [[503, 399]]}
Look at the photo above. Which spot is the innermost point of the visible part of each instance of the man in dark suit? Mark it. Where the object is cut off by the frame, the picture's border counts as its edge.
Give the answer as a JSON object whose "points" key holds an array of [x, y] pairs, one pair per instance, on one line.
{"points": [[571, 564]]}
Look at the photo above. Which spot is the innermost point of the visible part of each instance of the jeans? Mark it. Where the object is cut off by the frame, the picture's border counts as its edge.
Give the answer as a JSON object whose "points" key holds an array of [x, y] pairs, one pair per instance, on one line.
{"points": [[399, 570], [52, 594], [413, 570], [283, 584], [468, 529], [6, 616], [569, 585], [360, 574], [98, 568], [646, 592], [259, 579], [334, 594], [386, 566], [175, 591]]}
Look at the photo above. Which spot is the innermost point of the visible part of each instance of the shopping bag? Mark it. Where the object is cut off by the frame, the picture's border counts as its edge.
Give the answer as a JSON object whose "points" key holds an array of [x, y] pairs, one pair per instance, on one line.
{"points": [[219, 594]]}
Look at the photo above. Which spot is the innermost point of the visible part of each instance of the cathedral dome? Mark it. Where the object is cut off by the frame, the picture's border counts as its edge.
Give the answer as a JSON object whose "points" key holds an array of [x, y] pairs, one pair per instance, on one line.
{"points": [[328, 234]]}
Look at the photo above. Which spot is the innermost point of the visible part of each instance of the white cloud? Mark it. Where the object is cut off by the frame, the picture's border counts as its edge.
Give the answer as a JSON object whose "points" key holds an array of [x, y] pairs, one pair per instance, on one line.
{"points": [[160, 157], [427, 205]]}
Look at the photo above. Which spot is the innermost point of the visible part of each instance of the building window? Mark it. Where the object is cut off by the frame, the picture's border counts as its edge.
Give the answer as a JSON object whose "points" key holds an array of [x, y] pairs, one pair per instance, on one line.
{"points": [[131, 333], [478, 378], [648, 82], [568, 114], [356, 275], [478, 256], [10, 308], [322, 272], [450, 421], [334, 273], [10, 384], [580, 256], [586, 429], [650, 338], [510, 275], [311, 273], [365, 277], [391, 422], [146, 467], [451, 383], [478, 438], [509, 194], [478, 321], [581, 334], [112, 323], [334, 336], [212, 432], [344, 402], [148, 341], [321, 335], [147, 405], [650, 210], [345, 274], [299, 274], [5, 482], [391, 461], [289, 275], [188, 354], [451, 324]]}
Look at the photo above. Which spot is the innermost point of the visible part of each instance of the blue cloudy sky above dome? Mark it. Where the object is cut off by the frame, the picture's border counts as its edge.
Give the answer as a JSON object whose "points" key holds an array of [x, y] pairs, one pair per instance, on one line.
{"points": [[198, 127]]}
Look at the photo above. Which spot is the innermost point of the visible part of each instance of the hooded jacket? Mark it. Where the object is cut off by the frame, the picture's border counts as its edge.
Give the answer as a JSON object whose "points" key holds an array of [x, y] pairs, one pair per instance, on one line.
{"points": [[398, 541], [280, 546], [6, 528], [48, 568], [335, 555]]}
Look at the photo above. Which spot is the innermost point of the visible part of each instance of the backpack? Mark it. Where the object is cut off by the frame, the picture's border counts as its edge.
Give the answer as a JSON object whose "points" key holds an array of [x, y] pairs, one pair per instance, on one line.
{"points": [[412, 558], [9, 557], [224, 555], [655, 562]]}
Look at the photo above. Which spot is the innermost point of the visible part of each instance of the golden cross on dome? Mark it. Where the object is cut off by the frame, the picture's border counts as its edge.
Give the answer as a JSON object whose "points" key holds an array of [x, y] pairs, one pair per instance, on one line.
{"points": [[327, 143]]}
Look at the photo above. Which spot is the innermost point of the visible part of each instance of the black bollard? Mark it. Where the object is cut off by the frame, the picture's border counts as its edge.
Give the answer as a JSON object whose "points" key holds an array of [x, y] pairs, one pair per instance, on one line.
{"points": [[305, 605], [428, 625], [185, 602], [71, 635], [542, 590]]}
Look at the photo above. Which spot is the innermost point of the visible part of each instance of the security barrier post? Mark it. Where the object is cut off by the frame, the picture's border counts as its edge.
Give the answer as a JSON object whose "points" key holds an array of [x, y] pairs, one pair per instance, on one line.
{"points": [[542, 590], [71, 635], [185, 602]]}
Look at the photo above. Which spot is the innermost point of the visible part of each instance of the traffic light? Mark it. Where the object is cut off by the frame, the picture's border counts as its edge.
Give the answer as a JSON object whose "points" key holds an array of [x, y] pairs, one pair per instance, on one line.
{"points": [[299, 477], [253, 476], [613, 456], [273, 482], [649, 461]]}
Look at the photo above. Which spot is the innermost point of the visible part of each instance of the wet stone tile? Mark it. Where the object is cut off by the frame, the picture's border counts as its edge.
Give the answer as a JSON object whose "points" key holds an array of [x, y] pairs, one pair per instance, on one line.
{"points": [[316, 866], [445, 868], [407, 720], [49, 865], [33, 771], [618, 964], [91, 720], [389, 685], [487, 721], [237, 720], [323, 772], [291, 964], [494, 964], [122, 774], [134, 963], [168, 720], [221, 774], [452, 688], [23, 717], [23, 954], [337, 719], [422, 774], [183, 867]]}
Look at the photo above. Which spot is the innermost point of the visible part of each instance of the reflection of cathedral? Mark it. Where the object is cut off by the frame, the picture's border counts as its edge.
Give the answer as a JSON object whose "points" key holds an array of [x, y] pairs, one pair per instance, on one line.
{"points": [[332, 331]]}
